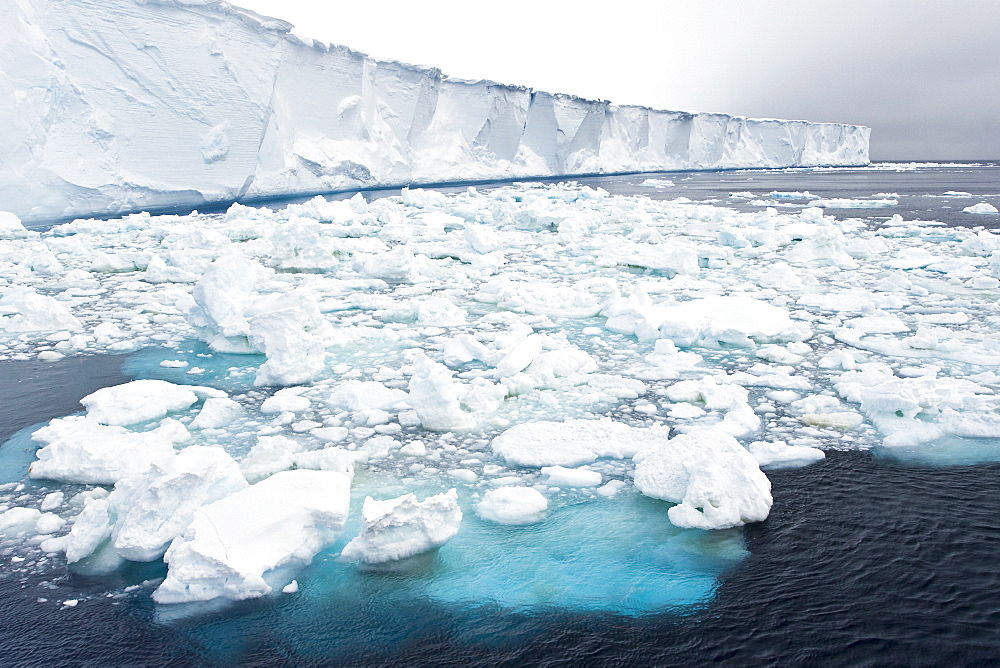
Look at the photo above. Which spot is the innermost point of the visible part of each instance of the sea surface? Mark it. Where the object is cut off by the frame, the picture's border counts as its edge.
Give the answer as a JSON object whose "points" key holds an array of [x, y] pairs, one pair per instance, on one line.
{"points": [[864, 560]]}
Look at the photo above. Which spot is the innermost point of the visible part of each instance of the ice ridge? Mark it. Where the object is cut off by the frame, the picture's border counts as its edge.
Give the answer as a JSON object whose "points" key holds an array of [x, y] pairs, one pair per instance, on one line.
{"points": [[110, 106]]}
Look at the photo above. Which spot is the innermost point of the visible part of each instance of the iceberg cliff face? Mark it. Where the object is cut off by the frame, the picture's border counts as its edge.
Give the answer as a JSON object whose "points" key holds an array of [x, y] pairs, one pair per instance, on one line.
{"points": [[117, 105]]}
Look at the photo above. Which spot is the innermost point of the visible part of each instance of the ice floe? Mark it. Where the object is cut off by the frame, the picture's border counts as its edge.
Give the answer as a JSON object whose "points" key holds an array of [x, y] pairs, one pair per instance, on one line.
{"points": [[400, 528], [513, 505], [715, 482], [254, 541]]}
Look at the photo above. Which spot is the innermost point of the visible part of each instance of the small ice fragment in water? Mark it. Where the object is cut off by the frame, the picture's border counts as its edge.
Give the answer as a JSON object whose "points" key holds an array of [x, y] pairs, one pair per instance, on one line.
{"points": [[512, 505]]}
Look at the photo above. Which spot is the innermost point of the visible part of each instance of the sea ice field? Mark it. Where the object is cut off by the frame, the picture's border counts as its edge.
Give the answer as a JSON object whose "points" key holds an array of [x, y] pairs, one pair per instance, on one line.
{"points": [[330, 428]]}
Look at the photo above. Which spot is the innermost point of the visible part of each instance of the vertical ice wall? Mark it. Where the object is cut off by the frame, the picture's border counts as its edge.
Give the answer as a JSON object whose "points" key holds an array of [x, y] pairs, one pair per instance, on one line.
{"points": [[117, 105]]}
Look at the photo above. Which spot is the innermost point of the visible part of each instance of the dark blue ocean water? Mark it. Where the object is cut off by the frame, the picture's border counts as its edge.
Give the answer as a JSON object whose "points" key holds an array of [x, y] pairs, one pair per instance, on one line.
{"points": [[863, 560]]}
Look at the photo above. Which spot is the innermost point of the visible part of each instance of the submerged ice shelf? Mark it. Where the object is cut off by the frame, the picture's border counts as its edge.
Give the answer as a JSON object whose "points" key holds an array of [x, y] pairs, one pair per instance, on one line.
{"points": [[110, 106], [560, 357]]}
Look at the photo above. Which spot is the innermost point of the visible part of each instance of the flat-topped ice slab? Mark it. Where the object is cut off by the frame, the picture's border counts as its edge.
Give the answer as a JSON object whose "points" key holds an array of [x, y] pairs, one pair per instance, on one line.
{"points": [[251, 542]]}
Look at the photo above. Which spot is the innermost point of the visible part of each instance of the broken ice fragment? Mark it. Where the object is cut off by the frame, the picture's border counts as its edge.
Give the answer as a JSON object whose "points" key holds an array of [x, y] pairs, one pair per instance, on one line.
{"points": [[402, 527]]}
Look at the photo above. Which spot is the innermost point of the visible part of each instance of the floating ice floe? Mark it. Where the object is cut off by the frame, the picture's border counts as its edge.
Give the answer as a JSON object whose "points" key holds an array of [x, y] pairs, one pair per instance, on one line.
{"points": [[914, 411], [254, 541], [399, 528], [854, 203], [231, 316], [708, 322], [27, 311], [981, 208], [513, 505], [142, 401], [83, 451], [145, 512], [779, 455], [715, 482], [571, 443]]}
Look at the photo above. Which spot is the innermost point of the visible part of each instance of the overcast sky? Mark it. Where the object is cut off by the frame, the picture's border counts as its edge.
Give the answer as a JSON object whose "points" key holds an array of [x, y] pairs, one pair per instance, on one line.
{"points": [[923, 74]]}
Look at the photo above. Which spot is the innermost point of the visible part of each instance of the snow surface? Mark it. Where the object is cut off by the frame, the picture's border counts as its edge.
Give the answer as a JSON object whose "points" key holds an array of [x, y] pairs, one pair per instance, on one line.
{"points": [[115, 105]]}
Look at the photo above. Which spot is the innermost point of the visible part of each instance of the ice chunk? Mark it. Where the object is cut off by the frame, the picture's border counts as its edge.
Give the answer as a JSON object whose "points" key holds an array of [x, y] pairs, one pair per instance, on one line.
{"points": [[254, 541], [228, 314], [279, 453], [90, 530], [19, 521], [291, 331], [12, 228], [824, 245], [981, 208], [330, 459], [435, 396], [572, 443], [672, 259], [49, 523], [396, 265], [81, 450], [710, 322], [560, 476], [914, 411], [714, 481], [854, 203], [157, 271], [844, 420], [356, 395], [464, 348], [219, 301], [983, 244], [142, 401], [779, 455], [611, 488], [269, 455], [216, 412], [482, 238], [465, 475], [540, 299], [826, 411], [154, 508], [284, 401], [520, 356], [28, 311], [52, 501], [402, 527], [299, 245], [512, 505], [738, 417]]}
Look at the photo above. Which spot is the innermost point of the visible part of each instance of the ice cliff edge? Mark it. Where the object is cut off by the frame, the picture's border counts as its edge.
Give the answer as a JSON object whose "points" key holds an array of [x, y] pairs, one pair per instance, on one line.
{"points": [[110, 106]]}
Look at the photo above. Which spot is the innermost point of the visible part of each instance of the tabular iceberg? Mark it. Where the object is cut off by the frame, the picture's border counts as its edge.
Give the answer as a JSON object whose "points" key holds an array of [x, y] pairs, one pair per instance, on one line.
{"points": [[118, 105]]}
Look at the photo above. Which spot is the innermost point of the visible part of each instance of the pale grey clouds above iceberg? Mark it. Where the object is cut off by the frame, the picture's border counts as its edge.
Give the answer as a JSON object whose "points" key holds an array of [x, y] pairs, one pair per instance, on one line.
{"points": [[922, 73]]}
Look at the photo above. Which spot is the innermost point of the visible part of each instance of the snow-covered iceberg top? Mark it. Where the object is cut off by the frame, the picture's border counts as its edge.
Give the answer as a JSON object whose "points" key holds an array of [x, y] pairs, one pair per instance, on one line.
{"points": [[125, 105]]}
